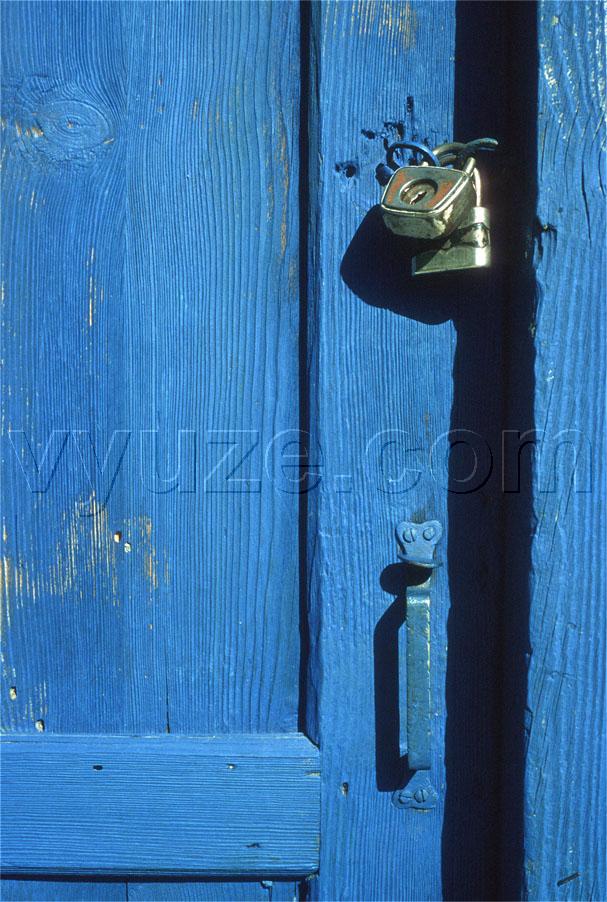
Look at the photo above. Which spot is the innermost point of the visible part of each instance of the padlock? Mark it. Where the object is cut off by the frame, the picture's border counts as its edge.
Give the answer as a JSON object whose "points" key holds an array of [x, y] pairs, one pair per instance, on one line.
{"points": [[428, 202], [441, 206], [467, 247]]}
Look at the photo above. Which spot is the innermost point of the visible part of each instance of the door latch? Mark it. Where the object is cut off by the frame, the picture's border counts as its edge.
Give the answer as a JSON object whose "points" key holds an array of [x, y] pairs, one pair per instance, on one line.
{"points": [[417, 543], [439, 203]]}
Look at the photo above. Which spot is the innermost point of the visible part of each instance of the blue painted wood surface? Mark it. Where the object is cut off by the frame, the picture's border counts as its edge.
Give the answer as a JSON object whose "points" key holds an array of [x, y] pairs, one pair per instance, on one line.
{"points": [[565, 725], [63, 890], [393, 369], [154, 204], [381, 392], [150, 296], [199, 891], [400, 372], [150, 891], [242, 805], [151, 284]]}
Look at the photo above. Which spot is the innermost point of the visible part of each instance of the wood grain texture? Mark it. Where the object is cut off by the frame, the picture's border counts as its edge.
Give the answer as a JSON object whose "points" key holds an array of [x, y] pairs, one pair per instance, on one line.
{"points": [[149, 295], [241, 805], [199, 891], [23, 890], [150, 217], [565, 764], [400, 371], [372, 371], [63, 890]]}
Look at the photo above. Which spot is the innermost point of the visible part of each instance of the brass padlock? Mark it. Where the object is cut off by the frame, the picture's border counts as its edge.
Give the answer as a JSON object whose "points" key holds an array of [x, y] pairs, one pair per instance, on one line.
{"points": [[428, 202], [441, 206]]}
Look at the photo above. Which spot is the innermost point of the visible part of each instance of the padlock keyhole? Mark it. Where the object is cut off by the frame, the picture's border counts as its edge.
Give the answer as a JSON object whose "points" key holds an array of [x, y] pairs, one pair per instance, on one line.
{"points": [[417, 191]]}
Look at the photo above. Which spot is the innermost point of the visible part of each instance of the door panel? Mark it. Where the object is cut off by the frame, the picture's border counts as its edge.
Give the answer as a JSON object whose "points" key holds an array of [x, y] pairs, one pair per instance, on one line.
{"points": [[151, 304], [181, 180], [405, 370], [151, 300]]}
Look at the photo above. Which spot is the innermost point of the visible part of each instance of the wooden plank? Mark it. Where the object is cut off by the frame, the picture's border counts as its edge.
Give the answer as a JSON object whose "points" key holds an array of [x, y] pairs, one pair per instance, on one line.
{"points": [[376, 377], [63, 890], [200, 891], [235, 806], [141, 294], [150, 291], [63, 203], [23, 890], [565, 725]]}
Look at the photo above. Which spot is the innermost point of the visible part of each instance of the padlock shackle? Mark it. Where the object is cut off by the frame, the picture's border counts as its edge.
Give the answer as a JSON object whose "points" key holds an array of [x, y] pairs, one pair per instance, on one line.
{"points": [[429, 155], [477, 186], [449, 153], [457, 150]]}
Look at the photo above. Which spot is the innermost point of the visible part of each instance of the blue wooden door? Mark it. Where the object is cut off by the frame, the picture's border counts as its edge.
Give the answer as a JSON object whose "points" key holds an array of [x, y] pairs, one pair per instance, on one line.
{"points": [[223, 391], [150, 569]]}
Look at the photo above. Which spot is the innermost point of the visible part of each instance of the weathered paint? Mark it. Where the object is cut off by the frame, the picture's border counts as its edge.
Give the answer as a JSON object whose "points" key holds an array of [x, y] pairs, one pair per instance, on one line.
{"points": [[376, 376], [132, 322], [166, 138], [235, 806], [133, 601], [565, 786]]}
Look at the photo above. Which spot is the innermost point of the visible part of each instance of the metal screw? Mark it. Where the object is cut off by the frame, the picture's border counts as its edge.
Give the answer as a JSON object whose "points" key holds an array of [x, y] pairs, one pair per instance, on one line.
{"points": [[423, 797], [429, 533], [409, 535]]}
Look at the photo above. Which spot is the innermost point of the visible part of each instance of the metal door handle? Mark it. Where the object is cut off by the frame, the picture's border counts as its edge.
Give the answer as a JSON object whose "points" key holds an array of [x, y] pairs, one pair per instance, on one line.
{"points": [[417, 543]]}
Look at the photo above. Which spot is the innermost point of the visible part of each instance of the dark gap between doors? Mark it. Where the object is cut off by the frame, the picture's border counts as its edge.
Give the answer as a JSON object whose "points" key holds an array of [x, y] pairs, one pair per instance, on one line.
{"points": [[496, 60]]}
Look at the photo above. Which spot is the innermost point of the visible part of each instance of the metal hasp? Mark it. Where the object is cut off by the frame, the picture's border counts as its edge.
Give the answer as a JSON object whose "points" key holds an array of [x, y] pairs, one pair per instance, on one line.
{"points": [[417, 543], [469, 247]]}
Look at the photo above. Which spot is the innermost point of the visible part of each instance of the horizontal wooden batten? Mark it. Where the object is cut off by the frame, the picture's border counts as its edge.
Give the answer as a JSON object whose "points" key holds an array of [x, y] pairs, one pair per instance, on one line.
{"points": [[237, 805]]}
